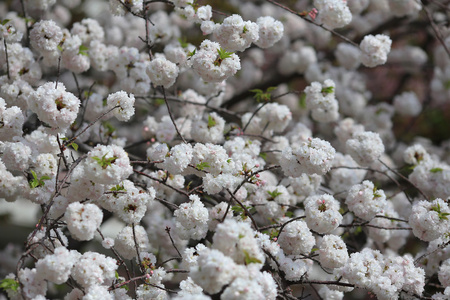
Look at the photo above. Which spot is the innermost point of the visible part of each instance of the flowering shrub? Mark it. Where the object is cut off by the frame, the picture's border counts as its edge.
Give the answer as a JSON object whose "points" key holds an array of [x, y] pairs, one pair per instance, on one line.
{"points": [[234, 149]]}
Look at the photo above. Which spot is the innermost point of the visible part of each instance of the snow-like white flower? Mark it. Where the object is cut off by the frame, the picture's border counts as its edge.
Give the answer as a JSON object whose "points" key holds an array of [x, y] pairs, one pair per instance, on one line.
{"points": [[210, 130], [107, 165], [275, 117], [192, 219], [365, 147], [321, 100], [57, 266], [213, 270], [365, 200], [46, 36], [401, 8], [127, 201], [177, 159], [333, 13], [430, 220], [314, 156], [296, 238], [235, 34], [444, 273], [214, 64], [348, 56], [12, 121], [375, 49], [125, 103], [416, 154], [54, 105], [270, 31], [332, 252], [407, 104], [342, 179], [125, 244], [83, 220], [322, 213], [236, 240], [162, 72], [94, 269], [88, 30]]}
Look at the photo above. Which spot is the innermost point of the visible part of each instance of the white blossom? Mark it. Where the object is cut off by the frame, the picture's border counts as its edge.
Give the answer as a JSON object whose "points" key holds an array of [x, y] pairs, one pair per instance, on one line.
{"points": [[375, 49]]}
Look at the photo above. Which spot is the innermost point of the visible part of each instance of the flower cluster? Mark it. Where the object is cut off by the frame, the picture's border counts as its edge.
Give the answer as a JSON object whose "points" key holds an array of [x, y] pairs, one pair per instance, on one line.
{"points": [[230, 151]]}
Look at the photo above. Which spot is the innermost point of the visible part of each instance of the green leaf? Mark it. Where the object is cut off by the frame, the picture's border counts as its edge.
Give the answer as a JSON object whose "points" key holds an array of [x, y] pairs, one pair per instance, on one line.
{"points": [[74, 146], [302, 101], [104, 162], [109, 128], [117, 188], [117, 275], [5, 21], [274, 194], [314, 250], [211, 122], [443, 216], [263, 155], [60, 48], [183, 42], [436, 170], [159, 102], [37, 182], [201, 166], [223, 54], [262, 96], [87, 94], [289, 214], [83, 50], [327, 90], [9, 284], [237, 209], [249, 259], [192, 53], [29, 20]]}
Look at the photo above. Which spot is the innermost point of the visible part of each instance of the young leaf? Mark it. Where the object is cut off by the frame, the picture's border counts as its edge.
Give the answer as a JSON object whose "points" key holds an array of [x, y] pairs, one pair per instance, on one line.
{"points": [[74, 146], [83, 50], [201, 166], [327, 90], [183, 42], [249, 260], [262, 96], [9, 284], [211, 122], [274, 194], [302, 101], [104, 162], [436, 170], [223, 54]]}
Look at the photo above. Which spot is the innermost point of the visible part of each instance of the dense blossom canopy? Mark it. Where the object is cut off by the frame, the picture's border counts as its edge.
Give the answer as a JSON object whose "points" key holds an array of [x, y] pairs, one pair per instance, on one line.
{"points": [[227, 150]]}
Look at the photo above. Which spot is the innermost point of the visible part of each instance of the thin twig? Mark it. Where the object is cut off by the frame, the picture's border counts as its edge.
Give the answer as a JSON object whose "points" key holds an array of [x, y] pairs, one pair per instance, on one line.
{"points": [[171, 239], [312, 22], [7, 60], [247, 213], [171, 115], [58, 72], [435, 29]]}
